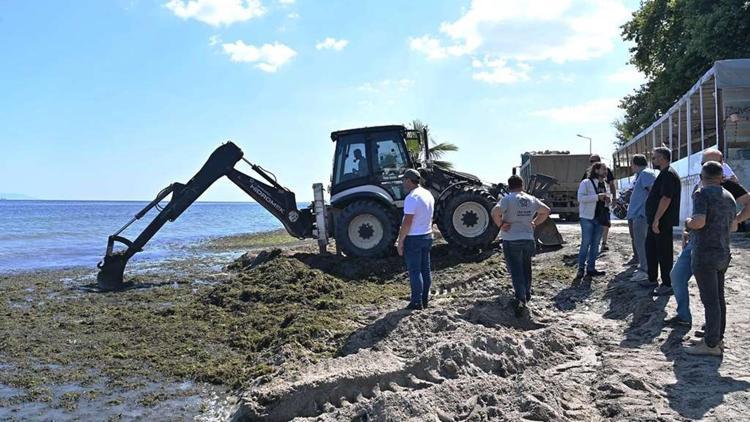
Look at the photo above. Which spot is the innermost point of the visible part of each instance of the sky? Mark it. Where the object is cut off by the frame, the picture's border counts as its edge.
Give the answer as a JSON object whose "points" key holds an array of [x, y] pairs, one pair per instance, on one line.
{"points": [[114, 100]]}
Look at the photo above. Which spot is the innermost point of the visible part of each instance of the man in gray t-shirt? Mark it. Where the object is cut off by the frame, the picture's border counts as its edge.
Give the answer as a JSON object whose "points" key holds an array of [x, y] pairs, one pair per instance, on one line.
{"points": [[517, 215], [714, 211]]}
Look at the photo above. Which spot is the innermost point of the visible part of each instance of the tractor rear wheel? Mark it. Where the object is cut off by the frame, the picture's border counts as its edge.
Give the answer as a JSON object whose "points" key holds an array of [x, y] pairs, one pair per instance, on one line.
{"points": [[366, 229], [465, 220]]}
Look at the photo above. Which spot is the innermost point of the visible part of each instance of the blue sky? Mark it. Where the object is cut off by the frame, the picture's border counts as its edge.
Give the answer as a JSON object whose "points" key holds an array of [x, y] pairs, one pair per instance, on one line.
{"points": [[117, 99]]}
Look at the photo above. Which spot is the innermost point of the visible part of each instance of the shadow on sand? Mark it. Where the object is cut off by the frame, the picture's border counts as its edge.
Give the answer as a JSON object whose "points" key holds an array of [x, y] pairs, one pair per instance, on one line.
{"points": [[699, 387]]}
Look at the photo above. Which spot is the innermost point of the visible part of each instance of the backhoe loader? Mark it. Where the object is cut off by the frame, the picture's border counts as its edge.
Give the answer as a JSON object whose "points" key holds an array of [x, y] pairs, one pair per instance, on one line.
{"points": [[365, 207]]}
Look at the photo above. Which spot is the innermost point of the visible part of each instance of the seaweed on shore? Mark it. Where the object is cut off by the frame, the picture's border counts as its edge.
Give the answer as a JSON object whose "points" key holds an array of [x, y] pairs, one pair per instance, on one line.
{"points": [[227, 334]]}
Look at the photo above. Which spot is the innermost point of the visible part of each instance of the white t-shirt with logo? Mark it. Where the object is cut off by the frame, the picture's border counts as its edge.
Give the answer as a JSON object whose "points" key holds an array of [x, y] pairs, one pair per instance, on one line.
{"points": [[421, 205], [519, 209]]}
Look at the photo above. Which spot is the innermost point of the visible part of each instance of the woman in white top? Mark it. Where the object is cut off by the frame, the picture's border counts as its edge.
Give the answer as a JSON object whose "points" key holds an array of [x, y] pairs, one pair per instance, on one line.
{"points": [[592, 199]]}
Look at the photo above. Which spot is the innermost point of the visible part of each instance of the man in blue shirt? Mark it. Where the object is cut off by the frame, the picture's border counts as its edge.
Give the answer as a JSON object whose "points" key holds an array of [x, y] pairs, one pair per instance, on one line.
{"points": [[644, 180]]}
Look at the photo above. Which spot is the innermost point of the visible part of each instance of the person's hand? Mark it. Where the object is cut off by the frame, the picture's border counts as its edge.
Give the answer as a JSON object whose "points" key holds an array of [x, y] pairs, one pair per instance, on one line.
{"points": [[735, 225], [400, 248], [603, 196], [685, 236], [505, 227], [655, 227]]}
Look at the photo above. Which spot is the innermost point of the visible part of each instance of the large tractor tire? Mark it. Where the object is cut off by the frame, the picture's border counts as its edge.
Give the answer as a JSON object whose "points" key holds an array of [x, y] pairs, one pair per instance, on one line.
{"points": [[464, 218], [366, 229]]}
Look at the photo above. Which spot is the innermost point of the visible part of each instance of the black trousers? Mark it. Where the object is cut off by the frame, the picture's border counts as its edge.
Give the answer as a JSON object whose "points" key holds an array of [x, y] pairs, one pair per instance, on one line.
{"points": [[660, 254], [711, 286]]}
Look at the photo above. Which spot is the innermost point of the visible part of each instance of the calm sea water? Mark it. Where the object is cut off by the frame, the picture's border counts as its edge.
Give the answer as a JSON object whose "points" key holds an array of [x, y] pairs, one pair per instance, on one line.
{"points": [[54, 234]]}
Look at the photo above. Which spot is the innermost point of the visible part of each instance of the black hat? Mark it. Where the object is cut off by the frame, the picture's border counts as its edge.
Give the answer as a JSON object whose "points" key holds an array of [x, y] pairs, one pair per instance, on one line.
{"points": [[412, 175]]}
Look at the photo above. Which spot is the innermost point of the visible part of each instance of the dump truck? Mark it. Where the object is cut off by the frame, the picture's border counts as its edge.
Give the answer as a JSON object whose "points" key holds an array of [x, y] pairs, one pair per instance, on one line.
{"points": [[567, 169]]}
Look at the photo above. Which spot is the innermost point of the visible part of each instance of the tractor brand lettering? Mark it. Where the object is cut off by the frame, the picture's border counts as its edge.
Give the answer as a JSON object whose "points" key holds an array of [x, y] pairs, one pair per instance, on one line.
{"points": [[266, 197]]}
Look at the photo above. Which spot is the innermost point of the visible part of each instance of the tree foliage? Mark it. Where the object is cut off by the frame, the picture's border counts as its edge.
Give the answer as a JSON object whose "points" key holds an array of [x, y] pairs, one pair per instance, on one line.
{"points": [[675, 42], [437, 149]]}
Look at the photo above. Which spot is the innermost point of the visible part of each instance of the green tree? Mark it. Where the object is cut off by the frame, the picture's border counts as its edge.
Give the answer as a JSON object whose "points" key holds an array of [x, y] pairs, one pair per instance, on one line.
{"points": [[674, 43], [437, 149]]}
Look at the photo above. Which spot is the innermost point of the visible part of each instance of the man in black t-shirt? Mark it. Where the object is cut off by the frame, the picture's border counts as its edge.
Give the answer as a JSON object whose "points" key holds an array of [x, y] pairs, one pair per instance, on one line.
{"points": [[595, 158], [662, 214]]}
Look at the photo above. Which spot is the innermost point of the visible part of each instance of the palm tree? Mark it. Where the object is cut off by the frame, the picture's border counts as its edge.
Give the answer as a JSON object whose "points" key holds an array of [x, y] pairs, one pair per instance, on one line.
{"points": [[436, 151]]}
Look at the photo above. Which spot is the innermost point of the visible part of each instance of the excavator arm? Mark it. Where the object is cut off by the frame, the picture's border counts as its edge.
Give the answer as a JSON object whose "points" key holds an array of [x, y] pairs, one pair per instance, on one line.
{"points": [[275, 198]]}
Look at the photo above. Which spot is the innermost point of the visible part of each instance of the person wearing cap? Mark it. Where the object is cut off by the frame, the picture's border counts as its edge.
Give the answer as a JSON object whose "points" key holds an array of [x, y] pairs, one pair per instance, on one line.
{"points": [[415, 238]]}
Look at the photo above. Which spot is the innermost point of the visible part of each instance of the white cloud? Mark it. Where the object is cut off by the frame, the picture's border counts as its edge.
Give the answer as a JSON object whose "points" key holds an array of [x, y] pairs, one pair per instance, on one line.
{"points": [[386, 85], [331, 44], [497, 71], [293, 15], [603, 110], [525, 31], [269, 57], [216, 12], [628, 75], [286, 2]]}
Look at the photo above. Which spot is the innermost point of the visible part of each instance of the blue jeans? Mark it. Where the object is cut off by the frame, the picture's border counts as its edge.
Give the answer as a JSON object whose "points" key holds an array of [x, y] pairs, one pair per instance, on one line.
{"points": [[680, 275], [591, 236], [640, 231], [518, 255], [417, 257]]}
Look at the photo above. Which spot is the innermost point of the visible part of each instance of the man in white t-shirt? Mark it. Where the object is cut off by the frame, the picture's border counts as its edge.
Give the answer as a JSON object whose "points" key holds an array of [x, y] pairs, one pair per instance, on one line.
{"points": [[517, 215], [415, 238]]}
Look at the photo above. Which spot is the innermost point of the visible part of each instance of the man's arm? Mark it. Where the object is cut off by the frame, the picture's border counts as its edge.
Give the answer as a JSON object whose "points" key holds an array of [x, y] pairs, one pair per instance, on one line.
{"points": [[613, 188], [663, 205], [541, 214], [696, 222], [405, 226], [497, 215], [744, 202]]}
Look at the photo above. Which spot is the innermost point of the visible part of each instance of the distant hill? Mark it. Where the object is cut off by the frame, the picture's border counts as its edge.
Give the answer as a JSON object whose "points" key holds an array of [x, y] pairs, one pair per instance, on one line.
{"points": [[13, 196]]}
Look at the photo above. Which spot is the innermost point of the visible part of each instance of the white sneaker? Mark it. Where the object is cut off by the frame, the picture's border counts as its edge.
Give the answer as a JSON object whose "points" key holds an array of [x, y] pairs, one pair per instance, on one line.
{"points": [[639, 276], [703, 349]]}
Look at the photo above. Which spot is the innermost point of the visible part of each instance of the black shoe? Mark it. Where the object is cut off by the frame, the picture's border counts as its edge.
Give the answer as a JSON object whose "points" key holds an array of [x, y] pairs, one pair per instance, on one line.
{"points": [[604, 248], [518, 307], [649, 284], [700, 333], [663, 291], [414, 306], [677, 322], [596, 273], [579, 275], [425, 304]]}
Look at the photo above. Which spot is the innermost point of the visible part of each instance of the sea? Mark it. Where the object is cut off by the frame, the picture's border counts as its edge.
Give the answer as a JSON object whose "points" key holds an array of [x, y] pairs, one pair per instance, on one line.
{"points": [[38, 235]]}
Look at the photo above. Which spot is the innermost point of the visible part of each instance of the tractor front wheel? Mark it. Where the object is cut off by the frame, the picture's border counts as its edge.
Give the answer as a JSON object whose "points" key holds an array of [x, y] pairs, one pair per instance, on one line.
{"points": [[366, 229]]}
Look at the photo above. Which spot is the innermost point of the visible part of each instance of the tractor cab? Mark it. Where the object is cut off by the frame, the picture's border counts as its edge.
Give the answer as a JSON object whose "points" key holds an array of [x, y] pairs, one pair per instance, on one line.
{"points": [[368, 163]]}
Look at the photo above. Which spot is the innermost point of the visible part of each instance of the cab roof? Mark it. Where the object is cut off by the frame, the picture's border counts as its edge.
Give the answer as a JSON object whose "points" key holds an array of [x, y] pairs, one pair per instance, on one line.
{"points": [[335, 135]]}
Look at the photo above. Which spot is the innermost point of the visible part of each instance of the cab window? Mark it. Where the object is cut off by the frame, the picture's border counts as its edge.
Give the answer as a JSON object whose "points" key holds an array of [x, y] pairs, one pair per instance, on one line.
{"points": [[351, 160]]}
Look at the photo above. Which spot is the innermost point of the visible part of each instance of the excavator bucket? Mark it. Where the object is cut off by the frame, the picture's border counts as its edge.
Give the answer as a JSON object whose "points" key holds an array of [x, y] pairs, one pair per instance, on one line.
{"points": [[111, 271], [547, 234]]}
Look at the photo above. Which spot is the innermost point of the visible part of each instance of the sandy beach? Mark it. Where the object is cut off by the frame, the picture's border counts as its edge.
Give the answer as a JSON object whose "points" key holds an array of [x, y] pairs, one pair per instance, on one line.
{"points": [[298, 335]]}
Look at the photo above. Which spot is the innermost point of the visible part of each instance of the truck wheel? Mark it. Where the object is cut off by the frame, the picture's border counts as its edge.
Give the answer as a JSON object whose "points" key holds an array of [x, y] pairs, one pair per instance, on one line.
{"points": [[465, 220], [366, 229]]}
